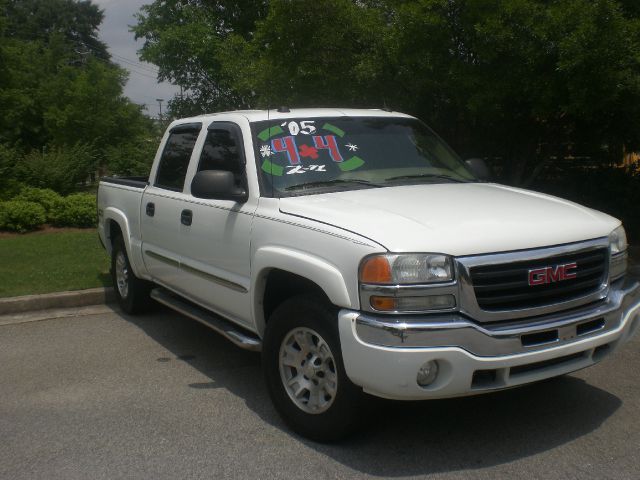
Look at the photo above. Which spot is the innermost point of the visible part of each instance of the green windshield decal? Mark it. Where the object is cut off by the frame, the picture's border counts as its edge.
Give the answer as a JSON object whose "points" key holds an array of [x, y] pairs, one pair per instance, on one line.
{"points": [[272, 169], [351, 164], [333, 129], [267, 133]]}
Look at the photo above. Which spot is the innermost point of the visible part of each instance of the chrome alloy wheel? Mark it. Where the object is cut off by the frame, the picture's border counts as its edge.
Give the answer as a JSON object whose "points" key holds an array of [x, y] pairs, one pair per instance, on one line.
{"points": [[308, 370], [122, 274]]}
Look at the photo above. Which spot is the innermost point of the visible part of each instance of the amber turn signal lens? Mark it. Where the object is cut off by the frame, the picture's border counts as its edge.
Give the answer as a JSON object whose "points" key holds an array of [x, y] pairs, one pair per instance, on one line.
{"points": [[384, 304], [376, 270]]}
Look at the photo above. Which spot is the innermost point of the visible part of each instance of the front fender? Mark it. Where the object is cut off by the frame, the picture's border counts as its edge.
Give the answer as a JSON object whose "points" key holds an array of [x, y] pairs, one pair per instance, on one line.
{"points": [[318, 270]]}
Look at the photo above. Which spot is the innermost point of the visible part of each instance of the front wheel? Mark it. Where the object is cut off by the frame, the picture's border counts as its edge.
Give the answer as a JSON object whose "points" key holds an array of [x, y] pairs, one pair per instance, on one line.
{"points": [[303, 369], [132, 292]]}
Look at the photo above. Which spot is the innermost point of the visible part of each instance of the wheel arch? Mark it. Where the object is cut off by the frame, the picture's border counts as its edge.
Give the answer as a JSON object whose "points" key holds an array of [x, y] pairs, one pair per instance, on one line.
{"points": [[116, 224], [282, 273]]}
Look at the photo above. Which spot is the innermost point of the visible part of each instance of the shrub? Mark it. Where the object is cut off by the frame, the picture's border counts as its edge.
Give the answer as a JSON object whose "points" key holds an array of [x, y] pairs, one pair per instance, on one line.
{"points": [[9, 188], [131, 158], [45, 197], [60, 168], [77, 210], [20, 216]]}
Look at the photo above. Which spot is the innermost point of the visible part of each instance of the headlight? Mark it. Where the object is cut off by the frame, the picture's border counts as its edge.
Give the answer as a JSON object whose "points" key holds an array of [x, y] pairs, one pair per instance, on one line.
{"points": [[618, 250], [404, 269], [618, 240]]}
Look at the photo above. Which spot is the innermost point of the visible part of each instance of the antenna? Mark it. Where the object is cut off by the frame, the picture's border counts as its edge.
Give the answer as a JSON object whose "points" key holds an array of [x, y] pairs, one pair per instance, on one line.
{"points": [[269, 127], [384, 104]]}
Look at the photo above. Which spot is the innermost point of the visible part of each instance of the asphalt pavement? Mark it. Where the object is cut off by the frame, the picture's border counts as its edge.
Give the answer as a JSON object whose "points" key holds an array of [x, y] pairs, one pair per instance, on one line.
{"points": [[96, 394]]}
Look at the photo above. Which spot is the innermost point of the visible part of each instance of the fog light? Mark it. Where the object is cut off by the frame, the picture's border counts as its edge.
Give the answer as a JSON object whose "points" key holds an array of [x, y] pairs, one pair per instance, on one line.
{"points": [[427, 373]]}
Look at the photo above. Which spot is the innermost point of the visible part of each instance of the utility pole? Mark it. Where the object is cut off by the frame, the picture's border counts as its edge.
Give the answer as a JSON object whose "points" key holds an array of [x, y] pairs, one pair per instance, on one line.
{"points": [[160, 100]]}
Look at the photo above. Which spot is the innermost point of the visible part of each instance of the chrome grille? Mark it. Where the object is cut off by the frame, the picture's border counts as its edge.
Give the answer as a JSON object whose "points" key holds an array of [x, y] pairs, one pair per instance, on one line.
{"points": [[506, 286]]}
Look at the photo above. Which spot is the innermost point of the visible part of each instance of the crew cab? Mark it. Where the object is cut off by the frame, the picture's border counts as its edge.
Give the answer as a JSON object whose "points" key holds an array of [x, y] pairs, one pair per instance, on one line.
{"points": [[359, 254]]}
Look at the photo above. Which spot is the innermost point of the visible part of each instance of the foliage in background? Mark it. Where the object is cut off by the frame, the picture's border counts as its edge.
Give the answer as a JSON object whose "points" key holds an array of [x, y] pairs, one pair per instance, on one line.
{"points": [[60, 169], [9, 186], [33, 207], [45, 197], [77, 21], [20, 216], [183, 39], [77, 210], [61, 97], [609, 189], [132, 158], [523, 81]]}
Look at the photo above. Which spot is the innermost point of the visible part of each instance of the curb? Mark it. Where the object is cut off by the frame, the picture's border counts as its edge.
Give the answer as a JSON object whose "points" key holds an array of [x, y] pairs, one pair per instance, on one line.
{"points": [[79, 298]]}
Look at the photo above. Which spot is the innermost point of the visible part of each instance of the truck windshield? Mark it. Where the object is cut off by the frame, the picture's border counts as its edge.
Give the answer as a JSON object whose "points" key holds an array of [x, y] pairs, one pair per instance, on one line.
{"points": [[301, 156]]}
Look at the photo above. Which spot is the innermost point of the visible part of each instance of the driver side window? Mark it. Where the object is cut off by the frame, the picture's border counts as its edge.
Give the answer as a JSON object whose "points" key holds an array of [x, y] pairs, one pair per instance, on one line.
{"points": [[223, 150]]}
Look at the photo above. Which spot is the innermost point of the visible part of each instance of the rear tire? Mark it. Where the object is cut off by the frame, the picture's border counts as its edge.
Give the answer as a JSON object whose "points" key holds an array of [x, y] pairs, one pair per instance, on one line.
{"points": [[304, 372], [132, 292]]}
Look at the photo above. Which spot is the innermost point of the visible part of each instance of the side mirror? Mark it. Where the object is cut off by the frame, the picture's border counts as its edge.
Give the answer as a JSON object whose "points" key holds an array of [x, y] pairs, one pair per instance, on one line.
{"points": [[479, 168], [217, 184]]}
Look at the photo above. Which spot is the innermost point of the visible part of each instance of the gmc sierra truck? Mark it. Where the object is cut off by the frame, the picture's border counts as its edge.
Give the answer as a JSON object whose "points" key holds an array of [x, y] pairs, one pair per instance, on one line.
{"points": [[359, 254]]}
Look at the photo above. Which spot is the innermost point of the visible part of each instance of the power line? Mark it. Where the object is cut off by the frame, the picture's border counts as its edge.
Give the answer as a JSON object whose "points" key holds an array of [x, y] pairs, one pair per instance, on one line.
{"points": [[145, 70], [135, 64], [130, 69]]}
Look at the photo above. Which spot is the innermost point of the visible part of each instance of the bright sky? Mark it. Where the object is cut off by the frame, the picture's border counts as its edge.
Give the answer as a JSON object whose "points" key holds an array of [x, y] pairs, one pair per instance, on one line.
{"points": [[142, 87]]}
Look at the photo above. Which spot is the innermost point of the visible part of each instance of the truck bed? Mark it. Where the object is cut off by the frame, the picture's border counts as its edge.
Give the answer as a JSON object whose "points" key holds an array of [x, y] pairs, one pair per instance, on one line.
{"points": [[135, 182], [122, 196]]}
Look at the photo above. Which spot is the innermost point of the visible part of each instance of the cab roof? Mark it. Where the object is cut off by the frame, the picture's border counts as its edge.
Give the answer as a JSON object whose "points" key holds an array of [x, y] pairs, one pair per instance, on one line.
{"points": [[274, 114]]}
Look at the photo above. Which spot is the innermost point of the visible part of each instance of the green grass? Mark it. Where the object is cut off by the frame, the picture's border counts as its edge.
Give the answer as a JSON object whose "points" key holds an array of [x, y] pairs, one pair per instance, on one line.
{"points": [[52, 262]]}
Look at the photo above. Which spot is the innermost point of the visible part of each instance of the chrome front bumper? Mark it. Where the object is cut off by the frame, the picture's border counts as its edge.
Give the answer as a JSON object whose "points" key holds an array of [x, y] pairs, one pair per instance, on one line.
{"points": [[384, 354], [500, 338]]}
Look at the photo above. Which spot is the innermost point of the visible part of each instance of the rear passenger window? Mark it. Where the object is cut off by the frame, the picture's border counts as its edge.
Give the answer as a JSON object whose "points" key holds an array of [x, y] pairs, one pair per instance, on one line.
{"points": [[175, 158], [223, 150]]}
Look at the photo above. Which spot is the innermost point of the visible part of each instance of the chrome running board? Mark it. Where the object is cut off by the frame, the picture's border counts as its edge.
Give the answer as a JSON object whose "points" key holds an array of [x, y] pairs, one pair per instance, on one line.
{"points": [[236, 335]]}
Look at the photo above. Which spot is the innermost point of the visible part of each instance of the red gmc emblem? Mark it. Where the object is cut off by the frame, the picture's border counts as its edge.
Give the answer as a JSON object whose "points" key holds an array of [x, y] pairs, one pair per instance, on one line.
{"points": [[544, 275]]}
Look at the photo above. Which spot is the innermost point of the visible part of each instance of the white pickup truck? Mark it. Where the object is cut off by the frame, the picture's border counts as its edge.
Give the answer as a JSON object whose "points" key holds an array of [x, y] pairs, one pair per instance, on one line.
{"points": [[360, 254]]}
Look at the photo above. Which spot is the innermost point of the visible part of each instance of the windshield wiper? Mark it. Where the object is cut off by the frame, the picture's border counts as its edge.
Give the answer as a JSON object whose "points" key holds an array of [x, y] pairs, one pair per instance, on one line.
{"points": [[429, 175], [328, 183]]}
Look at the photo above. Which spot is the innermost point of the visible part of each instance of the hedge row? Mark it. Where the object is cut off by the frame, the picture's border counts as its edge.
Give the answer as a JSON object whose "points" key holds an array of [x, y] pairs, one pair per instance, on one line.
{"points": [[33, 207]]}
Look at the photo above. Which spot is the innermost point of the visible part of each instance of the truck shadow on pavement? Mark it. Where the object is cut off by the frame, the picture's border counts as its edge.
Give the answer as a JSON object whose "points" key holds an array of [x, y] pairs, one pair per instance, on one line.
{"points": [[403, 438]]}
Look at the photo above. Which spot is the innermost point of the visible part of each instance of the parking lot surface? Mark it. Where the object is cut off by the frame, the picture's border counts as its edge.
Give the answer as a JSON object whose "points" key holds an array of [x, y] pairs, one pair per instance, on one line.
{"points": [[98, 394]]}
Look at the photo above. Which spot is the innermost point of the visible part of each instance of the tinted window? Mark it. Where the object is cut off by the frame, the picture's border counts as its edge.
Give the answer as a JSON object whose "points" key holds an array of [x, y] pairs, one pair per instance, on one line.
{"points": [[300, 156], [175, 159], [223, 150]]}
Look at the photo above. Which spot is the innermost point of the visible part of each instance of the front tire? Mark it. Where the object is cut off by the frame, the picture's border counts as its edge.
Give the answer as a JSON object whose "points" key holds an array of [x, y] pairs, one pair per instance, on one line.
{"points": [[132, 292], [304, 372]]}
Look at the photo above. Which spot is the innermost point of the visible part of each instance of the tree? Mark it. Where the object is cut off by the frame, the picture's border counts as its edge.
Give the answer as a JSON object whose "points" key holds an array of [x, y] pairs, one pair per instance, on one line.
{"points": [[63, 109], [525, 82], [184, 38], [76, 21], [309, 54]]}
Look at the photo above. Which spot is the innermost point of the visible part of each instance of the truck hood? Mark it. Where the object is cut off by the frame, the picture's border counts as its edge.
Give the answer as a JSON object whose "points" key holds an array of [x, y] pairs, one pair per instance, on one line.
{"points": [[456, 219]]}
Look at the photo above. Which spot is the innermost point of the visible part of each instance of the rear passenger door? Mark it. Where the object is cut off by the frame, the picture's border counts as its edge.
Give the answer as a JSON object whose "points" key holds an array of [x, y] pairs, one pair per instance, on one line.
{"points": [[215, 247], [162, 205]]}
